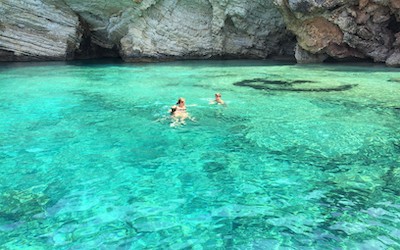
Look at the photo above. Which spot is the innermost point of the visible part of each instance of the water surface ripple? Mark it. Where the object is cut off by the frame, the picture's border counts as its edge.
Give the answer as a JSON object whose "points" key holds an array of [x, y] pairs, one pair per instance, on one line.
{"points": [[301, 157]]}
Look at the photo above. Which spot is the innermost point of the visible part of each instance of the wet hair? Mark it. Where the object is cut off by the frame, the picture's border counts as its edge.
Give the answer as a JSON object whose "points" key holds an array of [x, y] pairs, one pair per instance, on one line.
{"points": [[218, 95], [181, 99], [173, 109]]}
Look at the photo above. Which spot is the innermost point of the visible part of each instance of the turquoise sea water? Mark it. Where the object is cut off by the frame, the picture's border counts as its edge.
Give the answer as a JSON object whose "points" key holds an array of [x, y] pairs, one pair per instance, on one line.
{"points": [[301, 157]]}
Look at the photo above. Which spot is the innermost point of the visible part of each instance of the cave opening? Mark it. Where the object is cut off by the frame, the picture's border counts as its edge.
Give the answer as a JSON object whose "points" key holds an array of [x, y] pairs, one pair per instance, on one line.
{"points": [[88, 49], [393, 25], [351, 59]]}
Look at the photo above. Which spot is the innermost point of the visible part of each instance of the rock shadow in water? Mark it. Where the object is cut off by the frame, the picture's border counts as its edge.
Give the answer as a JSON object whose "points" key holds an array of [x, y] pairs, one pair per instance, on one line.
{"points": [[394, 80], [279, 85]]}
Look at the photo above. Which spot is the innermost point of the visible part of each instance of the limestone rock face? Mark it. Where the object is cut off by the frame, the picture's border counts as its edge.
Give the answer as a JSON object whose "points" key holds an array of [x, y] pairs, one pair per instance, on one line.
{"points": [[164, 29], [345, 29], [140, 29], [37, 30], [303, 56], [202, 29]]}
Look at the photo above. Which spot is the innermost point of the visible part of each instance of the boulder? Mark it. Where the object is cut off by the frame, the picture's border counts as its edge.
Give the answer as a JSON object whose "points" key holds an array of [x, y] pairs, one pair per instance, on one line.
{"points": [[303, 56], [394, 59]]}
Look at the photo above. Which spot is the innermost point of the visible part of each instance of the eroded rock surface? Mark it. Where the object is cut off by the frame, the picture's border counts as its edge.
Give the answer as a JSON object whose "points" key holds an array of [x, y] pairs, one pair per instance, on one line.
{"points": [[140, 29], [346, 29], [37, 30], [207, 29], [165, 29]]}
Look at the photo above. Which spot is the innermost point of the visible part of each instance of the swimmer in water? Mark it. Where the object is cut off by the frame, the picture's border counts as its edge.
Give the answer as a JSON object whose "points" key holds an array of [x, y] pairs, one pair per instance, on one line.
{"points": [[218, 99], [172, 110], [178, 112]]}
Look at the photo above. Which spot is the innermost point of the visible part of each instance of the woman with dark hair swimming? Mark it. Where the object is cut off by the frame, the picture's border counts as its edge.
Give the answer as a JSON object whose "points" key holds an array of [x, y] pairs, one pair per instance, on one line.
{"points": [[178, 112]]}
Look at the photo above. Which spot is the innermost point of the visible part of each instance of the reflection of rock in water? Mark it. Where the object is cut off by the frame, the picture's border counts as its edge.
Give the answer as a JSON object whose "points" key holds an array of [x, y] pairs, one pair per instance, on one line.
{"points": [[278, 85]]}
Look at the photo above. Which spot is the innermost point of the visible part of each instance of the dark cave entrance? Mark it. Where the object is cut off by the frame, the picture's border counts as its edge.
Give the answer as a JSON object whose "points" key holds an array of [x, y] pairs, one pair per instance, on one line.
{"points": [[393, 25], [90, 50]]}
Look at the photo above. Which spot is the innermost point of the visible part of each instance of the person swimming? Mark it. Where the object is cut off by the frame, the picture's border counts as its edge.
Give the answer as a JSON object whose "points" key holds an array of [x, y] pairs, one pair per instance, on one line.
{"points": [[172, 110], [178, 112], [218, 99]]}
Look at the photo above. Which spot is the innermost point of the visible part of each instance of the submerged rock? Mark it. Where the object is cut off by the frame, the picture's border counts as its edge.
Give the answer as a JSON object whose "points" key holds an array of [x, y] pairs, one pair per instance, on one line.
{"points": [[279, 85], [394, 80], [17, 205]]}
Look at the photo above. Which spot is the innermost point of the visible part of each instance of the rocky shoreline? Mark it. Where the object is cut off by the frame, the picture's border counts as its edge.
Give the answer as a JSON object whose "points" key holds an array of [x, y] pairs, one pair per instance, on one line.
{"points": [[308, 31]]}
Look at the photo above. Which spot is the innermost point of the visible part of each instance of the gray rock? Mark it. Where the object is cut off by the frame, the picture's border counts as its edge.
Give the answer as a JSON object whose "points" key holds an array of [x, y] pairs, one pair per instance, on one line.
{"points": [[394, 59], [140, 29], [165, 29], [303, 56], [366, 29], [204, 29], [37, 30]]}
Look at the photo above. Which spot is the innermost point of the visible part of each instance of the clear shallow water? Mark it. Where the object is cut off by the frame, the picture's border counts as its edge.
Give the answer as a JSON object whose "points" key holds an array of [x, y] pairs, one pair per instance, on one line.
{"points": [[88, 159]]}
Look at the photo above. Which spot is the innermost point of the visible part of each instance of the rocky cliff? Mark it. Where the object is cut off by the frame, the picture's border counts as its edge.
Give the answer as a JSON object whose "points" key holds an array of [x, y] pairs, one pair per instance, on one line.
{"points": [[344, 29], [37, 30], [137, 30], [164, 29]]}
